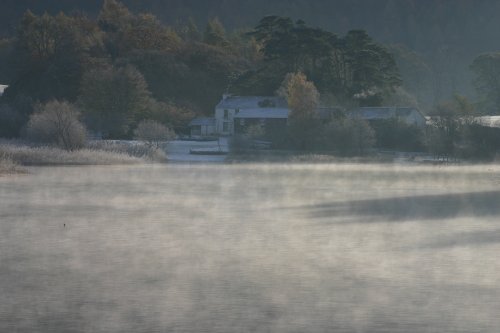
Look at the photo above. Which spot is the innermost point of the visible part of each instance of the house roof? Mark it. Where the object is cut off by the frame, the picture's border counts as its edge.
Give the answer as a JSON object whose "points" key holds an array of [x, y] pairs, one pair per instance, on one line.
{"points": [[251, 102], [281, 113], [202, 121], [275, 113], [371, 113]]}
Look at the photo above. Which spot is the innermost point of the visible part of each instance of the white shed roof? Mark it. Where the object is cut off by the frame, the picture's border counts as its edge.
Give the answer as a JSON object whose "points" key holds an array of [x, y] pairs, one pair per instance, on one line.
{"points": [[370, 113], [489, 121]]}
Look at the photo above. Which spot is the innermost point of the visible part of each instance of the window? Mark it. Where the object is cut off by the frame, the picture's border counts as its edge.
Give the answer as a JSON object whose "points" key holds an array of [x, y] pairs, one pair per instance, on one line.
{"points": [[226, 114], [225, 126], [242, 122]]}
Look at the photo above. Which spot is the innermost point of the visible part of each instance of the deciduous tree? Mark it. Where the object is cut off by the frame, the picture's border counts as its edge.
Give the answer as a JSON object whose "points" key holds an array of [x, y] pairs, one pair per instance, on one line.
{"points": [[215, 34], [153, 133], [487, 82], [303, 99], [451, 122], [301, 95], [50, 55], [113, 99], [57, 123]]}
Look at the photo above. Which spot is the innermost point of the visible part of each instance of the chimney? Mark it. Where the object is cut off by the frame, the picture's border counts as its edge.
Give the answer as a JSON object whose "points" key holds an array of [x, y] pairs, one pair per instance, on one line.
{"points": [[225, 96]]}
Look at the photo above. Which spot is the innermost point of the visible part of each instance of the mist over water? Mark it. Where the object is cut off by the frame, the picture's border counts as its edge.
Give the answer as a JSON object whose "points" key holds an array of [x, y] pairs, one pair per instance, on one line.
{"points": [[251, 248]]}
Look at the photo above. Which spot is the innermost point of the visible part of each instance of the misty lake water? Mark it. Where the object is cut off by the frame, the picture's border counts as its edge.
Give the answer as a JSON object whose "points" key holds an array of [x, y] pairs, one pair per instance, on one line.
{"points": [[251, 248]]}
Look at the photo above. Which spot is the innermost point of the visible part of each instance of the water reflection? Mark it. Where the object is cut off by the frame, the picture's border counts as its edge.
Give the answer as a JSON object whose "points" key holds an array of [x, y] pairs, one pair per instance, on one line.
{"points": [[423, 207]]}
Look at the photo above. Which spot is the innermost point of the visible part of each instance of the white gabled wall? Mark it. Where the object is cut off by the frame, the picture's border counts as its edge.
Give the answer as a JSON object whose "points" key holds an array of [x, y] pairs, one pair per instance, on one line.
{"points": [[220, 120]]}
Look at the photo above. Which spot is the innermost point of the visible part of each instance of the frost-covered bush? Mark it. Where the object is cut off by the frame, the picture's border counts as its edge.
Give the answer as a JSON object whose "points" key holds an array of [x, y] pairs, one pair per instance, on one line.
{"points": [[153, 133], [57, 123]]}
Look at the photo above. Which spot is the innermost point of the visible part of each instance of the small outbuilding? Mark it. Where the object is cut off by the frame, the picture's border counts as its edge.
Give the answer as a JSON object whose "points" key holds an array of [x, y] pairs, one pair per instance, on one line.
{"points": [[488, 121], [202, 127]]}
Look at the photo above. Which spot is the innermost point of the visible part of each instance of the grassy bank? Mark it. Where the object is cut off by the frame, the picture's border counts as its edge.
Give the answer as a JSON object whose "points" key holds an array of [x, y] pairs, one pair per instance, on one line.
{"points": [[289, 156], [8, 166], [97, 153], [374, 156]]}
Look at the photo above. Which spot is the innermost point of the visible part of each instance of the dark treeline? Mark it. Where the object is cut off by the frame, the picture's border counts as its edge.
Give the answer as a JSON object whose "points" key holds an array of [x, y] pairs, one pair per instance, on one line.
{"points": [[122, 67], [422, 25], [437, 40], [119, 68]]}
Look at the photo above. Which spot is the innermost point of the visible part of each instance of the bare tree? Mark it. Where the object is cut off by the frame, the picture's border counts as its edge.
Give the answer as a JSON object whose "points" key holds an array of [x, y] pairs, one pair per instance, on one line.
{"points": [[57, 123]]}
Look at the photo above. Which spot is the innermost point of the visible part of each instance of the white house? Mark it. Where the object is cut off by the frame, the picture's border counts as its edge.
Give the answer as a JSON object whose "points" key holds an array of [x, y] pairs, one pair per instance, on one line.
{"points": [[232, 111], [2, 88]]}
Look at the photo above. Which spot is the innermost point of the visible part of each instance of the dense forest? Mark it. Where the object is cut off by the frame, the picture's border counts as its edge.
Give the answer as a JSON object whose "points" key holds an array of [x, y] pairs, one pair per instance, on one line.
{"points": [[122, 67], [435, 41]]}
